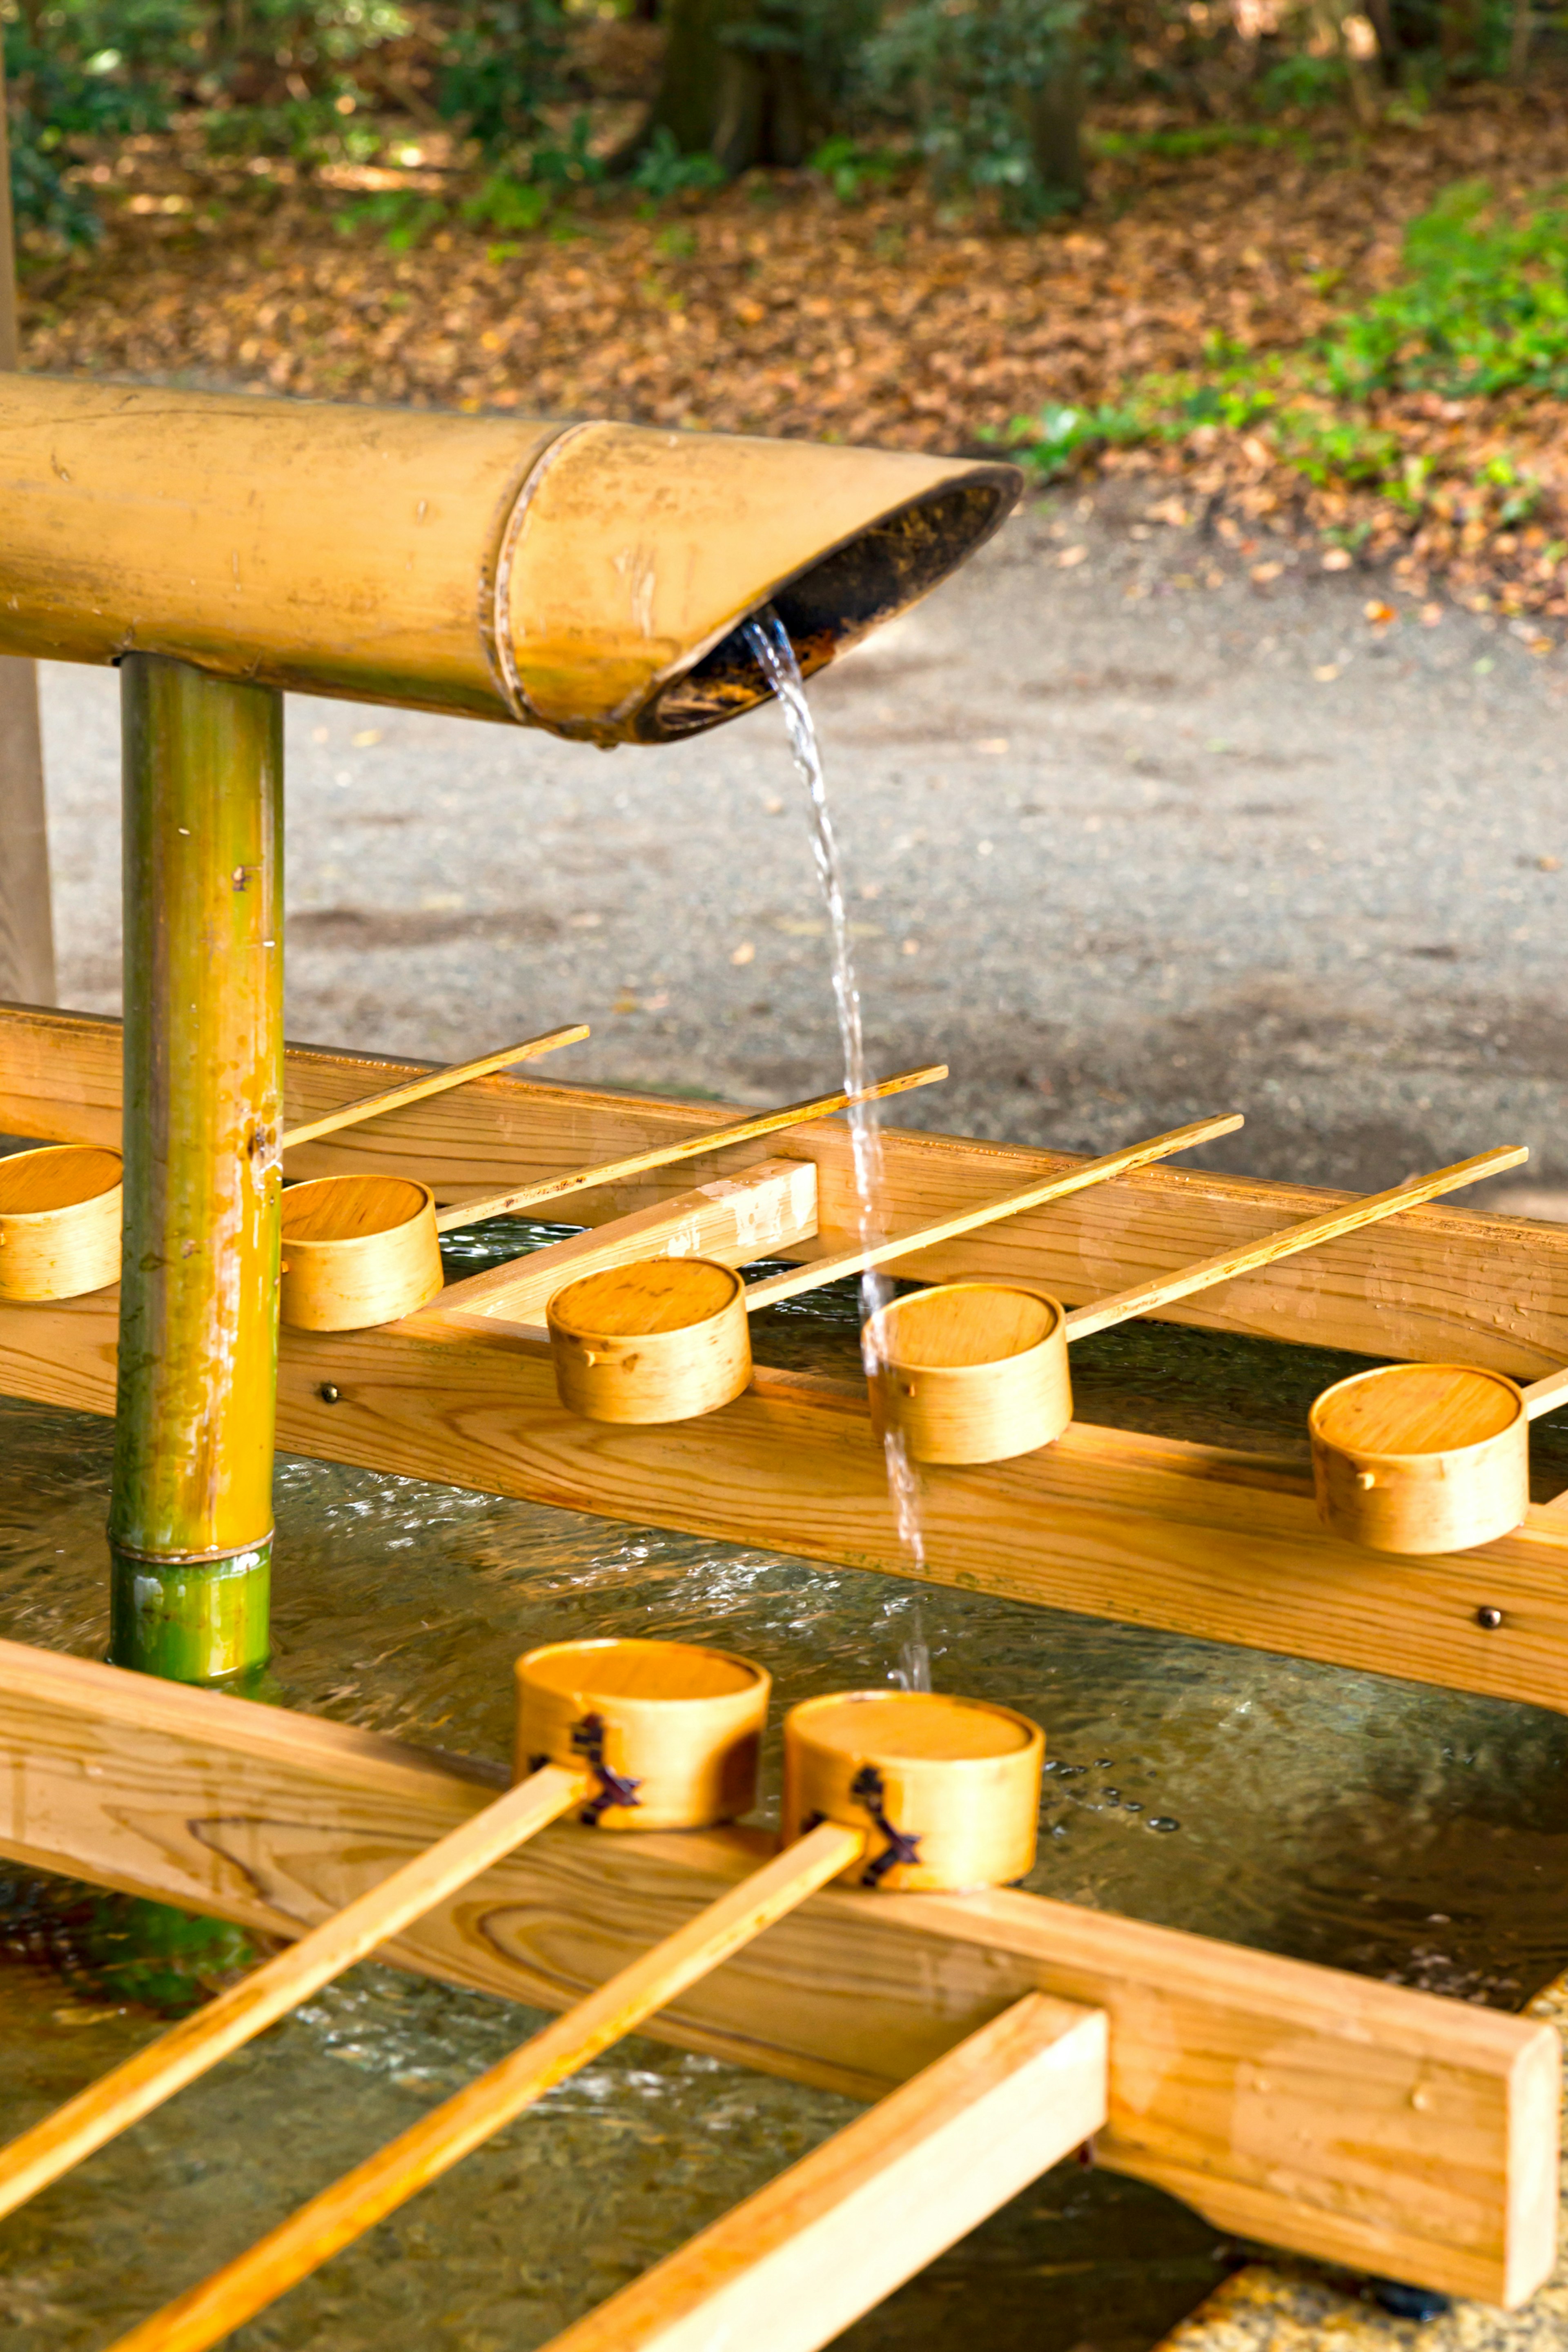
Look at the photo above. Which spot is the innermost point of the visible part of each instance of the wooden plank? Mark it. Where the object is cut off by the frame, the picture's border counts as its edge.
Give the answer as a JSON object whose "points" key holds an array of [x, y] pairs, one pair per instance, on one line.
{"points": [[735, 1219], [1150, 1531], [1440, 1283], [792, 2267], [1348, 2119]]}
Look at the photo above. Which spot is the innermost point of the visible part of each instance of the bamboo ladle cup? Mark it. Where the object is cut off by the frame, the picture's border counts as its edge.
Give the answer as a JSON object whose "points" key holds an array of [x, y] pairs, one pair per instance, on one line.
{"points": [[860, 1828], [668, 1728], [666, 1338], [362, 1250], [60, 1211], [977, 1371], [1418, 1458]]}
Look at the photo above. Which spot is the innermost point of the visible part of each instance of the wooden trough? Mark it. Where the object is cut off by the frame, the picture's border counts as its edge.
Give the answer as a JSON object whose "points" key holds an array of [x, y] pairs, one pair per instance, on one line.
{"points": [[1402, 2133]]}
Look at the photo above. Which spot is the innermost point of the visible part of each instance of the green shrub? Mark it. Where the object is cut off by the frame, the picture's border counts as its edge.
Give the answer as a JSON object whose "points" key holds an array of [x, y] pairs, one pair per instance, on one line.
{"points": [[970, 75]]}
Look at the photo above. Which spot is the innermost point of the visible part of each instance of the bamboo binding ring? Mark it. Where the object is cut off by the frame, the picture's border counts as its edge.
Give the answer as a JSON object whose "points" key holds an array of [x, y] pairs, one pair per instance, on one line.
{"points": [[950, 1786], [669, 1730], [357, 1251], [663, 1339], [60, 1211], [970, 1372], [1421, 1457]]}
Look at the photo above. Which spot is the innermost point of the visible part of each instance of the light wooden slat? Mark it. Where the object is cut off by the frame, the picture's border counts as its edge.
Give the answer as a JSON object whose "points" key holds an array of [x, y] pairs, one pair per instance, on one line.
{"points": [[736, 1219], [1440, 1283], [441, 2138], [1349, 2119], [118, 2099], [792, 2267]]}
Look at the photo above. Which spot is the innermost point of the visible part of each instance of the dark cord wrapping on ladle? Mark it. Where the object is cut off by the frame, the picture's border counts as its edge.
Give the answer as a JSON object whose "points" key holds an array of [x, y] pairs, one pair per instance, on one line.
{"points": [[614, 1788], [869, 1789]]}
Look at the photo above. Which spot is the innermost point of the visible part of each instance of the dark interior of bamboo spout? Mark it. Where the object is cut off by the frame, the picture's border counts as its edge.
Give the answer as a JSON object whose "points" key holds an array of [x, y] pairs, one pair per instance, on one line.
{"points": [[840, 598]]}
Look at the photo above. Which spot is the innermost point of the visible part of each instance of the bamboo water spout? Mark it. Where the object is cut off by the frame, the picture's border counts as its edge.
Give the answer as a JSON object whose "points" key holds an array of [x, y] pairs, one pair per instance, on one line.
{"points": [[590, 578]]}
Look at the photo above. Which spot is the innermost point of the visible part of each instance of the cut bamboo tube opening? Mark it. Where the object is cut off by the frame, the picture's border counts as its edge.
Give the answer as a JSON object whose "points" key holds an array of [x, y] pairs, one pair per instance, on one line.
{"points": [[1148, 1297], [662, 1155], [988, 1212], [121, 2097], [451, 2131], [434, 1082]]}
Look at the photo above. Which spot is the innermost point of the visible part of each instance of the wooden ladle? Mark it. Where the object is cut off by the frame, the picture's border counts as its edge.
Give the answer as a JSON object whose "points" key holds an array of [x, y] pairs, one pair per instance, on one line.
{"points": [[1426, 1457], [977, 1371], [972, 1770]]}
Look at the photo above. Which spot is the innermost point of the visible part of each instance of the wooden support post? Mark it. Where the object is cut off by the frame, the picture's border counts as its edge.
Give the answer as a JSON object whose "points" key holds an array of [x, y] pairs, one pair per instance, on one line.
{"points": [[191, 1511], [27, 933]]}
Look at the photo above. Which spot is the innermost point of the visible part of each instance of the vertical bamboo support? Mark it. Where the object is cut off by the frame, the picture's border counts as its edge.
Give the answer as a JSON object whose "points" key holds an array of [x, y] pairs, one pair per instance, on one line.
{"points": [[191, 1515], [26, 934]]}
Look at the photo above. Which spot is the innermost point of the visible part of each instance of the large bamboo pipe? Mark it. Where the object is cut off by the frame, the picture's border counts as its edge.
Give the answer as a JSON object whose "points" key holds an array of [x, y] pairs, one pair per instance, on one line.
{"points": [[190, 1519], [591, 579]]}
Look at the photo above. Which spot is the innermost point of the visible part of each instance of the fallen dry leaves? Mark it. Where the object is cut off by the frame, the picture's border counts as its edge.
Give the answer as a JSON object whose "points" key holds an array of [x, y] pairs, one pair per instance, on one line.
{"points": [[774, 309]]}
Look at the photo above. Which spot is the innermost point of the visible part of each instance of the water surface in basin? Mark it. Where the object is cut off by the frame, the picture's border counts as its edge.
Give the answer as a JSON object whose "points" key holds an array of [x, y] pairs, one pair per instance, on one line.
{"points": [[1402, 1833]]}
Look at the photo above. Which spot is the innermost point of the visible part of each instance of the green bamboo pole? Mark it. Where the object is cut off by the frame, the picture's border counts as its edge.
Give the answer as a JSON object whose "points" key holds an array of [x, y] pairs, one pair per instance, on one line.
{"points": [[190, 1521]]}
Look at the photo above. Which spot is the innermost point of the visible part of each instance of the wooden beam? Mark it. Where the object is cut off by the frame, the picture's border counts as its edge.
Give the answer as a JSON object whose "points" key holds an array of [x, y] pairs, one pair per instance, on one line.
{"points": [[1148, 1530], [1347, 2119], [1439, 1283], [792, 2267]]}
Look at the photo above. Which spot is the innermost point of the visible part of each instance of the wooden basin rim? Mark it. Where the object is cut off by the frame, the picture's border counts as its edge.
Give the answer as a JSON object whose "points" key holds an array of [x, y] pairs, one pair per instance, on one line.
{"points": [[32, 1184]]}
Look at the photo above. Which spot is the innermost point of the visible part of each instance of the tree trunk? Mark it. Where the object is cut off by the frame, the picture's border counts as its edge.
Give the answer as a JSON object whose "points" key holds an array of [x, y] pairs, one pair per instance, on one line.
{"points": [[716, 96], [1055, 116], [26, 934]]}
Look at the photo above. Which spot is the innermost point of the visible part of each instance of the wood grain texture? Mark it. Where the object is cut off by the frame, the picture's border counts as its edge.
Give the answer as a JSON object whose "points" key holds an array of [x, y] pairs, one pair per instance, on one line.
{"points": [[1330, 1225], [1418, 1458], [520, 1198], [357, 1251], [434, 1082], [662, 1340], [1194, 1539], [735, 1219], [60, 1211], [1354, 2120], [678, 1728], [1441, 1283], [236, 2015], [1059, 1186], [441, 2138], [788, 2270], [970, 1372]]}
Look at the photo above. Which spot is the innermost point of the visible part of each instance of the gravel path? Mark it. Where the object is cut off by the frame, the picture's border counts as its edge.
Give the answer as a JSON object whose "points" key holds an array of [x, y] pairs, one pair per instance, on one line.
{"points": [[1132, 834]]}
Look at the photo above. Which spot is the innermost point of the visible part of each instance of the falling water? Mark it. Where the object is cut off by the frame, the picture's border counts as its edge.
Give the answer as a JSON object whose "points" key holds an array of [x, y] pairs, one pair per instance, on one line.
{"points": [[769, 641]]}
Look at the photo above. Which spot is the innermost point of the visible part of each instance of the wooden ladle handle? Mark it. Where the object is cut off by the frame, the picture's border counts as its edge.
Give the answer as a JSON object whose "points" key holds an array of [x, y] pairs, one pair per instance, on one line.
{"points": [[1148, 1297], [441, 2138], [434, 1082]]}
